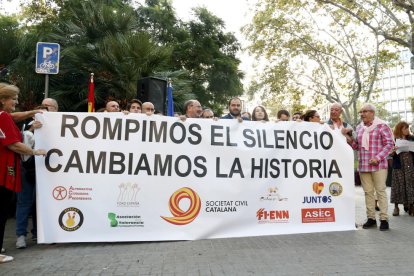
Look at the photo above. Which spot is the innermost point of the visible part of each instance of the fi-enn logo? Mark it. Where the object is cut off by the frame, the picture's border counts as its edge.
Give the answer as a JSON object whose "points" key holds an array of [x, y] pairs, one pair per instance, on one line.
{"points": [[272, 216], [71, 219], [316, 215], [317, 188], [127, 196], [181, 217]]}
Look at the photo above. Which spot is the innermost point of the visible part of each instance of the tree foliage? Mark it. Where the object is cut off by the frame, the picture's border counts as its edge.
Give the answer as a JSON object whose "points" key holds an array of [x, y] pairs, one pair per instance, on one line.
{"points": [[317, 50], [201, 47], [391, 19], [121, 43]]}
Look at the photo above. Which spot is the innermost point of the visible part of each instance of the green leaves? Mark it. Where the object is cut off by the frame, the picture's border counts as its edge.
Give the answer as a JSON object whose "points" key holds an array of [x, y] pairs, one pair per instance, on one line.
{"points": [[315, 48], [121, 44]]}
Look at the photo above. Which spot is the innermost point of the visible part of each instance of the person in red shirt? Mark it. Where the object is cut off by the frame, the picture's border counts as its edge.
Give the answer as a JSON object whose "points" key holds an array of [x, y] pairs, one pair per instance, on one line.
{"points": [[11, 147]]}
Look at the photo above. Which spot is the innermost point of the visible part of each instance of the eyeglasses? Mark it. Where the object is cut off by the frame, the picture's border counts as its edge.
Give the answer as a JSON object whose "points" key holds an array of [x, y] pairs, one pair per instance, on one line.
{"points": [[208, 117], [149, 109]]}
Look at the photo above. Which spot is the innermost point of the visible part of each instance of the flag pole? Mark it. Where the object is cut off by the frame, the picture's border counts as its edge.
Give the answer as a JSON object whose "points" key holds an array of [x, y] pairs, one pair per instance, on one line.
{"points": [[91, 94], [170, 109]]}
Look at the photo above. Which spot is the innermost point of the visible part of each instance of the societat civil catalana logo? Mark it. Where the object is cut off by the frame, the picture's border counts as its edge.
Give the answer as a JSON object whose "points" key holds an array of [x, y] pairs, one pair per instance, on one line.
{"points": [[183, 217]]}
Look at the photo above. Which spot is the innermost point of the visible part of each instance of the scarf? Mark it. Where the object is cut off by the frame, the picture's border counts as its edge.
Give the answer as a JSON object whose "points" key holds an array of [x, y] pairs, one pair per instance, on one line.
{"points": [[368, 129]]}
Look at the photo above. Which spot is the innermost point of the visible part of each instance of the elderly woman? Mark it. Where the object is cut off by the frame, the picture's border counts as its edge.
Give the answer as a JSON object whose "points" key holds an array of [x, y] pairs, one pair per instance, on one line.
{"points": [[11, 147]]}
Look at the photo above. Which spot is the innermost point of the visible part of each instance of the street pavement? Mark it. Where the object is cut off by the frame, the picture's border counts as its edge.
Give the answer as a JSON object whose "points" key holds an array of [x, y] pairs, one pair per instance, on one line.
{"points": [[360, 252]]}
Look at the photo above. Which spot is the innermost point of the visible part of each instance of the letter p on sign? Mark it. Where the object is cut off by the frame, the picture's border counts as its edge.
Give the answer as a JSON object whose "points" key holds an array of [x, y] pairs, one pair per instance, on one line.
{"points": [[47, 51]]}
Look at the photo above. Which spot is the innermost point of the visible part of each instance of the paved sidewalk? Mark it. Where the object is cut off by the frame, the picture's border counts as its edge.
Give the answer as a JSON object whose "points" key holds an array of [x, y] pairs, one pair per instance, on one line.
{"points": [[361, 252]]}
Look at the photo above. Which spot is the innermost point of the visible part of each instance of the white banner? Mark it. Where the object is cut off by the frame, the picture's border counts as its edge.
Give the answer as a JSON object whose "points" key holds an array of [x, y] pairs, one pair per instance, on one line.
{"points": [[116, 177]]}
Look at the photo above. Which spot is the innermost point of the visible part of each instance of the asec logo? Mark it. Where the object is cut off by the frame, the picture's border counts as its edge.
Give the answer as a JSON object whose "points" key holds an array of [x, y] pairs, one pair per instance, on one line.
{"points": [[312, 215]]}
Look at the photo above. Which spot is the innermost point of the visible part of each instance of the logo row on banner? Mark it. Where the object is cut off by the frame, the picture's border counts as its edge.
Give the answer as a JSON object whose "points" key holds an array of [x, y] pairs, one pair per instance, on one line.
{"points": [[72, 218]]}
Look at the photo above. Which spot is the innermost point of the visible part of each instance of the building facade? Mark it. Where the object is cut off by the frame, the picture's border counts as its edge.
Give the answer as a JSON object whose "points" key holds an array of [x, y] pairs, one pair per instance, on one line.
{"points": [[396, 87]]}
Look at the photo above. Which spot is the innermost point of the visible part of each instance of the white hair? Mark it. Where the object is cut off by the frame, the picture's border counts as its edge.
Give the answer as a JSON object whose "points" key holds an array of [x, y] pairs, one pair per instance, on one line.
{"points": [[369, 106]]}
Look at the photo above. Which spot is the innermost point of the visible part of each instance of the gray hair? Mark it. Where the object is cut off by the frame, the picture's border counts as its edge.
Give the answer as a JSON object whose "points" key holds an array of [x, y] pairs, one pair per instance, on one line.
{"points": [[336, 104], [187, 104], [369, 106]]}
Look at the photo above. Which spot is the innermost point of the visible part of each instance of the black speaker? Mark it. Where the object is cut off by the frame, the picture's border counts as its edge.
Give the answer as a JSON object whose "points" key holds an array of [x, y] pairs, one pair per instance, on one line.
{"points": [[153, 90]]}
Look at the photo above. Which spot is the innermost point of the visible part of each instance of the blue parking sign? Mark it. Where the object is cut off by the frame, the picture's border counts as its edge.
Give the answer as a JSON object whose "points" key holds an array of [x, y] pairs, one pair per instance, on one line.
{"points": [[47, 58]]}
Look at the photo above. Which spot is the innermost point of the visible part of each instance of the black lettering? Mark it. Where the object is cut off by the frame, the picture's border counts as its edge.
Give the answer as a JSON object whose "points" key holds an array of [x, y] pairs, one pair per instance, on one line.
{"points": [[292, 140], [143, 165], [274, 167], [214, 135], [199, 162], [178, 125], [177, 166], [97, 127], [302, 142], [74, 162], [163, 167], [323, 141], [162, 132], [295, 168], [259, 138], [71, 126], [116, 158], [195, 133], [91, 162], [47, 160], [107, 128], [246, 134], [258, 167], [218, 174], [314, 166], [334, 169], [315, 138], [129, 129], [286, 161], [229, 143], [278, 138], [268, 146], [236, 168]]}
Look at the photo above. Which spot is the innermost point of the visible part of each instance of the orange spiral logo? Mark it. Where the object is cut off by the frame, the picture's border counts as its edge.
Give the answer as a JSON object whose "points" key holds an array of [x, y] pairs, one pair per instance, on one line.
{"points": [[183, 217]]}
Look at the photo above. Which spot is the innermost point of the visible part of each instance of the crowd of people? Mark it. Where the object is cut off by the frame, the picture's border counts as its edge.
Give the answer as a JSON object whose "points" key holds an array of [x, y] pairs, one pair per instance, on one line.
{"points": [[372, 138]]}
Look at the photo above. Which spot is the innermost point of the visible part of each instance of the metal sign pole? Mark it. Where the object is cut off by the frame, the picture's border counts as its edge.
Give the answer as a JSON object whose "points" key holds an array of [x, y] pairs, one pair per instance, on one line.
{"points": [[46, 86]]}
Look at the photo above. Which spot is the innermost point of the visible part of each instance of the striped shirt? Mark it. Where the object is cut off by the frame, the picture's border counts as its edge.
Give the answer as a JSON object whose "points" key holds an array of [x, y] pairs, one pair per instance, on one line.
{"points": [[380, 144]]}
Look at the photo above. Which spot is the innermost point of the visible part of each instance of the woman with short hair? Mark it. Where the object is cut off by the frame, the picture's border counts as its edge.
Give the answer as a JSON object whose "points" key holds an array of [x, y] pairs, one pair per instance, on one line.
{"points": [[11, 147]]}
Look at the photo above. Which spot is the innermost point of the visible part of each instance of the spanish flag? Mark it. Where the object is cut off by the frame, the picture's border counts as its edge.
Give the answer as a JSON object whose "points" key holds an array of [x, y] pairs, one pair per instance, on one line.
{"points": [[91, 95]]}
